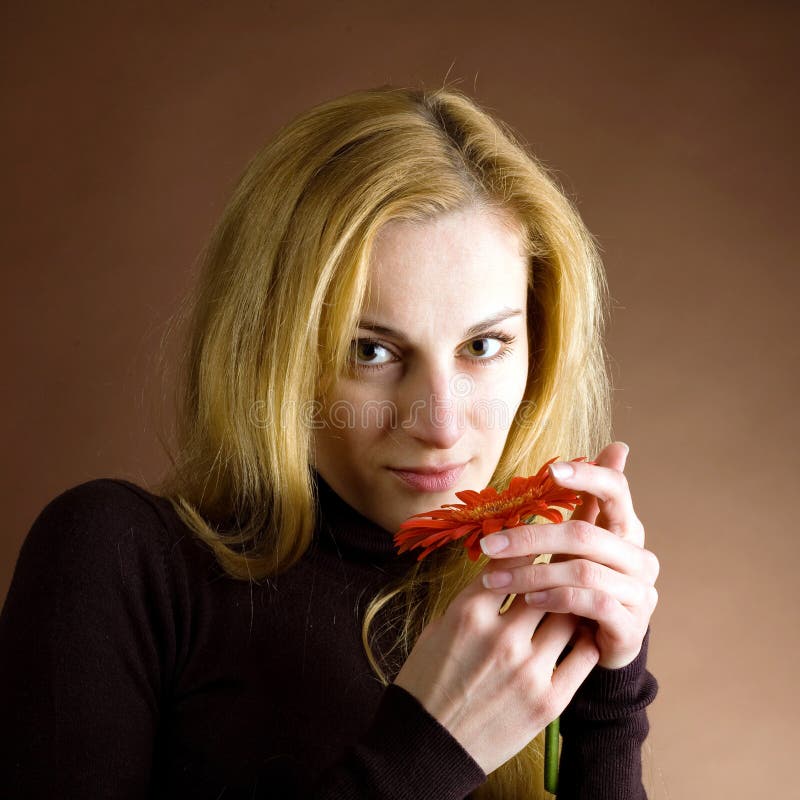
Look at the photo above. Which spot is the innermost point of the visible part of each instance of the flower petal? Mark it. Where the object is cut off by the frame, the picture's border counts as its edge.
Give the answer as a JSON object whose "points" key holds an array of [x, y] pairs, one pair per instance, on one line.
{"points": [[469, 496], [491, 525]]}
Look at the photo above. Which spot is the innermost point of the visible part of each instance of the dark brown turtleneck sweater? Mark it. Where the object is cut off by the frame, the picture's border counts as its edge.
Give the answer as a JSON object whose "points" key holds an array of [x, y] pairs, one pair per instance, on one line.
{"points": [[132, 667]]}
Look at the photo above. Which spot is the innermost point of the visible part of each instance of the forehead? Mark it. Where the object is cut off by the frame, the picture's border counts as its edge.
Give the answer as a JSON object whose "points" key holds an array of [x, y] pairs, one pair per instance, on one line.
{"points": [[461, 263]]}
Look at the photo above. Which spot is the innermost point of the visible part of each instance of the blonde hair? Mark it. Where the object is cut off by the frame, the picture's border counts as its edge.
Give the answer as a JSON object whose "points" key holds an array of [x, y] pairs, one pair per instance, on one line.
{"points": [[291, 254]]}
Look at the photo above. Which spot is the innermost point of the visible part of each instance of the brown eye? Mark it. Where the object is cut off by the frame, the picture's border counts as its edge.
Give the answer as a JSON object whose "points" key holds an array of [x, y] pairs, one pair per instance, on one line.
{"points": [[366, 351], [492, 346], [487, 347]]}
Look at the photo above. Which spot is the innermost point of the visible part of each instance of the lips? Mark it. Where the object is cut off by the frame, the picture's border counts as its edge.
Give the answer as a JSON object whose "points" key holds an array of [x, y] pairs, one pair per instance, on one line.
{"points": [[430, 479], [431, 470]]}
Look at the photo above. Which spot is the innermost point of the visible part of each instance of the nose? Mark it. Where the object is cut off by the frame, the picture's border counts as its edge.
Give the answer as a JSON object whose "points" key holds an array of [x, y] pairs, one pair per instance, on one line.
{"points": [[435, 408]]}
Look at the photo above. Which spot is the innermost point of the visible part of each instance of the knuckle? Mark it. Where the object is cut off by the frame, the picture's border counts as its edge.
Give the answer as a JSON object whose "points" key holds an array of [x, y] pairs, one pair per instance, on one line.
{"points": [[624, 485], [549, 703], [528, 536], [537, 708], [536, 690], [554, 699], [604, 603], [470, 619], [652, 566], [587, 572], [566, 597], [530, 576], [582, 531], [652, 597], [507, 649]]}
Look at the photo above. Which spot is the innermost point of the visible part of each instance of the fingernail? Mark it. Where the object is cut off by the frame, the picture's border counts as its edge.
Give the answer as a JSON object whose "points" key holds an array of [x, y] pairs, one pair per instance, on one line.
{"points": [[496, 543], [627, 449], [535, 598], [561, 470], [494, 580]]}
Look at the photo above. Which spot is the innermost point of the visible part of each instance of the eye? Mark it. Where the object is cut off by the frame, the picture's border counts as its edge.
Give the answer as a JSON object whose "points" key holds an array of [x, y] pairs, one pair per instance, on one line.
{"points": [[365, 352], [493, 346], [487, 348]]}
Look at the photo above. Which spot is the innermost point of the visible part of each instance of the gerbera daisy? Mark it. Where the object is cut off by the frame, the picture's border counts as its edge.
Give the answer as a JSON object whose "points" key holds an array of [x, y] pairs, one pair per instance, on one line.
{"points": [[487, 511]]}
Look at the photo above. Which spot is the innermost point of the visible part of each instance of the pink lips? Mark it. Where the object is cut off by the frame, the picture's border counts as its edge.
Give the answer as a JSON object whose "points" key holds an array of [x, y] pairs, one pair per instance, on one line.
{"points": [[431, 481]]}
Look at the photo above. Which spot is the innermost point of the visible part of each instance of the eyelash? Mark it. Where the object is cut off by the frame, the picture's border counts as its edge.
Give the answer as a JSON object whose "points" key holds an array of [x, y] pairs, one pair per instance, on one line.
{"points": [[499, 335]]}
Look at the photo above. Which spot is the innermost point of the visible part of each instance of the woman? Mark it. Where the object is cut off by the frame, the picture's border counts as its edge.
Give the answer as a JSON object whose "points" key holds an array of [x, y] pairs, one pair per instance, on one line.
{"points": [[396, 288]]}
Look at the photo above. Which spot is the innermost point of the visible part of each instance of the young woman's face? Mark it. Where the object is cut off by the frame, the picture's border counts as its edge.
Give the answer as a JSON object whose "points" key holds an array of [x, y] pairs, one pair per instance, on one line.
{"points": [[439, 367]]}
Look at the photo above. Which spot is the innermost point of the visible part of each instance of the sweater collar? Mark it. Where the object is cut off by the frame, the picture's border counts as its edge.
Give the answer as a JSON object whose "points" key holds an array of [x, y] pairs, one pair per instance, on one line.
{"points": [[341, 527]]}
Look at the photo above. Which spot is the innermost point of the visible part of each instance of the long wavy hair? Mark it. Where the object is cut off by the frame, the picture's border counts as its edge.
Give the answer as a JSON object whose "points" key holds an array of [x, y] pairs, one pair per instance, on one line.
{"points": [[269, 323]]}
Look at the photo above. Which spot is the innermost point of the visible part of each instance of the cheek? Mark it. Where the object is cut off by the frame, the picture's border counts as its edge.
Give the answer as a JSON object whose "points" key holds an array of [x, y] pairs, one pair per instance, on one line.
{"points": [[518, 381], [497, 398], [351, 425]]}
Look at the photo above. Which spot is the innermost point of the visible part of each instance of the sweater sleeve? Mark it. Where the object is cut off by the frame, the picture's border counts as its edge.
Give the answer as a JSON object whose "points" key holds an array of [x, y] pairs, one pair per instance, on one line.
{"points": [[89, 638], [407, 754], [603, 730], [85, 634]]}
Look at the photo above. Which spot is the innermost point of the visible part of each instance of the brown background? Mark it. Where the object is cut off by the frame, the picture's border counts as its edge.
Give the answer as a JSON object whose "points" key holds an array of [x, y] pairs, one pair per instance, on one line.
{"points": [[672, 126]]}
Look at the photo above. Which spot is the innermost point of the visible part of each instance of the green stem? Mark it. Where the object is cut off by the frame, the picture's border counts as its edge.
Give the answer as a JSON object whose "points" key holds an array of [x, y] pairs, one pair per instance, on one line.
{"points": [[551, 734], [551, 756]]}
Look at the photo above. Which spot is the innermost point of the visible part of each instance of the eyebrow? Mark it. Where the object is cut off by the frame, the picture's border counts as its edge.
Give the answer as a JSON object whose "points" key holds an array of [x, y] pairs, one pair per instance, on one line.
{"points": [[472, 331]]}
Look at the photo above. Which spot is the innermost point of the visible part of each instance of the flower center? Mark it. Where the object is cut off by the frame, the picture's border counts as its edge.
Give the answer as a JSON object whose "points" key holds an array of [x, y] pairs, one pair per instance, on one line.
{"points": [[493, 507]]}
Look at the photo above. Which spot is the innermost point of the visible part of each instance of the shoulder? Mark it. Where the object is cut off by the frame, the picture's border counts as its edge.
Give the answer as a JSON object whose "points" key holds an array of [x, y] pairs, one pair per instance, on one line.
{"points": [[93, 585], [104, 524], [98, 509], [108, 554], [99, 494]]}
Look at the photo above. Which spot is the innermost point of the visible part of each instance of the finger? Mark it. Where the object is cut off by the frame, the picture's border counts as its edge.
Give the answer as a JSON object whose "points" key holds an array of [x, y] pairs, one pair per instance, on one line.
{"points": [[615, 620], [613, 456], [520, 620], [579, 573], [511, 563], [504, 563], [609, 486], [487, 603], [514, 562], [572, 539], [619, 630], [552, 636], [576, 666], [550, 633]]}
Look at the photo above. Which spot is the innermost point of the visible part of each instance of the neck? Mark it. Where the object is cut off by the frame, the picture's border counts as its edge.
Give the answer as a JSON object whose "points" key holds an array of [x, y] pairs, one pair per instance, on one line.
{"points": [[339, 525]]}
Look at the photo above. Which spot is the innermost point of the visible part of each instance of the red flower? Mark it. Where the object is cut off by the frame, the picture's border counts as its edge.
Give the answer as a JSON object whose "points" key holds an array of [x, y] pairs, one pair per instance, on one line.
{"points": [[487, 512]]}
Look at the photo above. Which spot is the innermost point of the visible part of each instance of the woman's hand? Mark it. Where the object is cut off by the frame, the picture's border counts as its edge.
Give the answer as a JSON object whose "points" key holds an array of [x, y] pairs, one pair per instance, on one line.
{"points": [[607, 576], [490, 679]]}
